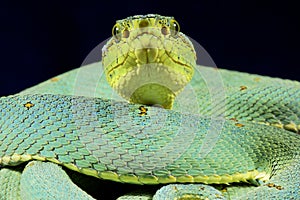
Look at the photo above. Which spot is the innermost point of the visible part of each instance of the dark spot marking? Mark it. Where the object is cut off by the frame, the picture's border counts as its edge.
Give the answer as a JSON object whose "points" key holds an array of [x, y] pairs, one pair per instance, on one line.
{"points": [[143, 110], [233, 119], [28, 105], [239, 125], [272, 185], [243, 88]]}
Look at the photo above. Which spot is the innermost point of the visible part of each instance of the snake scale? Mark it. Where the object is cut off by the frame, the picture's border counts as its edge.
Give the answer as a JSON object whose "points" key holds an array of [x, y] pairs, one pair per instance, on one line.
{"points": [[166, 122]]}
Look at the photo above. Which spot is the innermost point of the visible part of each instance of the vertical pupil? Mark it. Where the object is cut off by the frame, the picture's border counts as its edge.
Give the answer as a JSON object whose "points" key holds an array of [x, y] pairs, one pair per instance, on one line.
{"points": [[116, 30], [175, 27]]}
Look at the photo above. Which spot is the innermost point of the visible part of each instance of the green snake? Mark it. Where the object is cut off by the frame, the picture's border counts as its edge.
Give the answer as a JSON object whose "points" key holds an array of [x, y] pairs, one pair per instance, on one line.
{"points": [[167, 124]]}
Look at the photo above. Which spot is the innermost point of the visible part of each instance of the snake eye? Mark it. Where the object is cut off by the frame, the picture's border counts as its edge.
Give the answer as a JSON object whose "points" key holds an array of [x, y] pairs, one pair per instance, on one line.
{"points": [[116, 32], [174, 26]]}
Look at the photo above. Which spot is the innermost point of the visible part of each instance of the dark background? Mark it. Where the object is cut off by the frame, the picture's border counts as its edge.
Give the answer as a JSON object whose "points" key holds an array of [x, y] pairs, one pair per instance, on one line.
{"points": [[41, 40]]}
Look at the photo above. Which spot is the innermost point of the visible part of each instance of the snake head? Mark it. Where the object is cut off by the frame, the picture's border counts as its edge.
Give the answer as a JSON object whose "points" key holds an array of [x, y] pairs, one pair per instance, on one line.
{"points": [[148, 60]]}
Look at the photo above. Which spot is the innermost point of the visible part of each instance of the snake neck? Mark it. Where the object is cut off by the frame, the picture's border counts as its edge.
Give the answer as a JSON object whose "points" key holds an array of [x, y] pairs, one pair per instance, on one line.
{"points": [[154, 94]]}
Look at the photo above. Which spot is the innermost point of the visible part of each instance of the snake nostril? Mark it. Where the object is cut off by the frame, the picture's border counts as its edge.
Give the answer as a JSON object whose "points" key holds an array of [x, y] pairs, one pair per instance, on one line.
{"points": [[126, 33], [164, 30]]}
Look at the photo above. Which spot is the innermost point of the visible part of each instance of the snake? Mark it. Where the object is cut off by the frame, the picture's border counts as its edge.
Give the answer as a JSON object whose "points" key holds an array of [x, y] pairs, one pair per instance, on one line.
{"points": [[148, 115]]}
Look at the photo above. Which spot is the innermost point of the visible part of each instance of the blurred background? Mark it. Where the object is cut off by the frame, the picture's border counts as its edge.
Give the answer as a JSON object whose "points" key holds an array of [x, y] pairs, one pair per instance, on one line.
{"points": [[41, 40]]}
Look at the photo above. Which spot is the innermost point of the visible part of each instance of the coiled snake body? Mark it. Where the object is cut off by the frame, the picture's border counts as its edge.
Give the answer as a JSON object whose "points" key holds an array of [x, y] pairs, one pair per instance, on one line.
{"points": [[200, 139]]}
